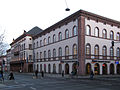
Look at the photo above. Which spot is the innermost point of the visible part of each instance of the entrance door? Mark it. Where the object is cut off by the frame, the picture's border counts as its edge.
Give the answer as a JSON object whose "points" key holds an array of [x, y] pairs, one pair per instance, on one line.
{"points": [[49, 68], [118, 68], [104, 69], [111, 68], [54, 68], [74, 68], [96, 69], [60, 68], [30, 68], [66, 68], [88, 68]]}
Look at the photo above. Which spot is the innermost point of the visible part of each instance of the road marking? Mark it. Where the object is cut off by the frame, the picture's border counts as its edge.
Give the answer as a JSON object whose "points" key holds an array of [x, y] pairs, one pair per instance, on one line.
{"points": [[33, 88], [16, 82]]}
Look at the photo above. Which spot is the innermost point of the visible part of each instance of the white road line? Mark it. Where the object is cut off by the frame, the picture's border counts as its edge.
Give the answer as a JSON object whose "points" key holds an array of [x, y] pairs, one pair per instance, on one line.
{"points": [[33, 88], [16, 82]]}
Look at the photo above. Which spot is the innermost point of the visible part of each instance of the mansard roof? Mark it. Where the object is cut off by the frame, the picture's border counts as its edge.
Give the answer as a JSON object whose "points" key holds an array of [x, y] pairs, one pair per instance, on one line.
{"points": [[76, 15], [34, 31]]}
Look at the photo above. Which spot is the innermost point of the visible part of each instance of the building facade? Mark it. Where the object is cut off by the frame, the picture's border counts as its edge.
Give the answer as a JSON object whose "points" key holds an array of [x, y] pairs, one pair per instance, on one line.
{"points": [[79, 43]]}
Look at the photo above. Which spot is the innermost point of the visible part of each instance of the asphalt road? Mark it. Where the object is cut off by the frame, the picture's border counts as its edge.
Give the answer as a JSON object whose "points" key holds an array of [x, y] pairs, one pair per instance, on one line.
{"points": [[26, 82]]}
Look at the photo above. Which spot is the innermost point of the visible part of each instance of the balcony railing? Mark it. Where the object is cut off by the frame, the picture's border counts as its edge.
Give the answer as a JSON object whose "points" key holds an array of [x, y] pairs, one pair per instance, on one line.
{"points": [[101, 57], [69, 57]]}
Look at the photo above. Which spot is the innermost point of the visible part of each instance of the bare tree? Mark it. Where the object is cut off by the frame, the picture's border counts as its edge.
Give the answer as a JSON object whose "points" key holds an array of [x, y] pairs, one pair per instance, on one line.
{"points": [[3, 45]]}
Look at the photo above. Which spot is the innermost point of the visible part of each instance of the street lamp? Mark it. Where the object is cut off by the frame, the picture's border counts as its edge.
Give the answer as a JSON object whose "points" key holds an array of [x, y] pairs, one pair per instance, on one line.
{"points": [[67, 9]]}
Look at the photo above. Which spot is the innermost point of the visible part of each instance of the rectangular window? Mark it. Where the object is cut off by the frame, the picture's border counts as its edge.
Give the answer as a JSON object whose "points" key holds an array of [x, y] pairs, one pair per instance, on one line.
{"points": [[30, 46], [30, 58]]}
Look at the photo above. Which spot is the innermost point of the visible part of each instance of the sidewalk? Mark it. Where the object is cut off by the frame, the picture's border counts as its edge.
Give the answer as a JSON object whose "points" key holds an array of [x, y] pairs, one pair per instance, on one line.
{"points": [[75, 77]]}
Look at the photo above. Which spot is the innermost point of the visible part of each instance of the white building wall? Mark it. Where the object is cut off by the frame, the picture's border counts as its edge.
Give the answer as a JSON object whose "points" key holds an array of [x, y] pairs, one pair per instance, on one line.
{"points": [[65, 42], [101, 42]]}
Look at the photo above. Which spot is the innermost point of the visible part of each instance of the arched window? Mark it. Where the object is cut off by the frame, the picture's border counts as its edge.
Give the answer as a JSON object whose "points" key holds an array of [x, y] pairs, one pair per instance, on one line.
{"points": [[45, 55], [96, 51], [40, 43], [40, 56], [118, 36], [54, 54], [37, 43], [37, 57], [54, 38], [74, 51], [74, 31], [88, 49], [96, 32], [111, 53], [60, 53], [104, 52], [112, 35], [66, 34], [60, 36], [88, 30], [22, 46], [49, 41], [44, 42], [118, 52], [104, 33], [49, 55], [66, 52]]}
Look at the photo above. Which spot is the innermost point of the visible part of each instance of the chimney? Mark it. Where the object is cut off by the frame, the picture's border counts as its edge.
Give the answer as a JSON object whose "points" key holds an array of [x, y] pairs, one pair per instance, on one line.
{"points": [[24, 31], [13, 39]]}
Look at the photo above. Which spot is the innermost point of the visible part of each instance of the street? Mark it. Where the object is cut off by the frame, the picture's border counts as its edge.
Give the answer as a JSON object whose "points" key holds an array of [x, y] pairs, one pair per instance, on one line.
{"points": [[26, 82]]}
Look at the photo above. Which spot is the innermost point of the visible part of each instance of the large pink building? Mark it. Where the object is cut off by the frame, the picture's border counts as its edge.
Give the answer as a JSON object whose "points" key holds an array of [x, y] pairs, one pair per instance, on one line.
{"points": [[81, 42]]}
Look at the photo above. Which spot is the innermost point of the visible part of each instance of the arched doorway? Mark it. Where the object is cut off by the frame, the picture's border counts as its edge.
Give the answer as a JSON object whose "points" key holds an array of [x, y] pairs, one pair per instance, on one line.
{"points": [[66, 68], [49, 68], [54, 68], [74, 68], [112, 68], [118, 68], [45, 68], [37, 67], [60, 68], [30, 68], [40, 67], [104, 69], [88, 68], [96, 69]]}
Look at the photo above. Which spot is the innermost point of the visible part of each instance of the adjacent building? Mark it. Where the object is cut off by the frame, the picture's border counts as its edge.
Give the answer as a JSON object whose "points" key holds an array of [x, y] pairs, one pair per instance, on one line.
{"points": [[22, 51]]}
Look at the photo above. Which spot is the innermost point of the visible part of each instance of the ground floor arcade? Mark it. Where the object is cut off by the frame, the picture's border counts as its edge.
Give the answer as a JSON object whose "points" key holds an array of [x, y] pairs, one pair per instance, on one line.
{"points": [[56, 67], [99, 68], [23, 66], [102, 67]]}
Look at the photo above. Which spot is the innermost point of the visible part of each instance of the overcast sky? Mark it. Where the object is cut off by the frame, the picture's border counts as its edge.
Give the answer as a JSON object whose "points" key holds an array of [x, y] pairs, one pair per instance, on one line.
{"points": [[19, 15]]}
